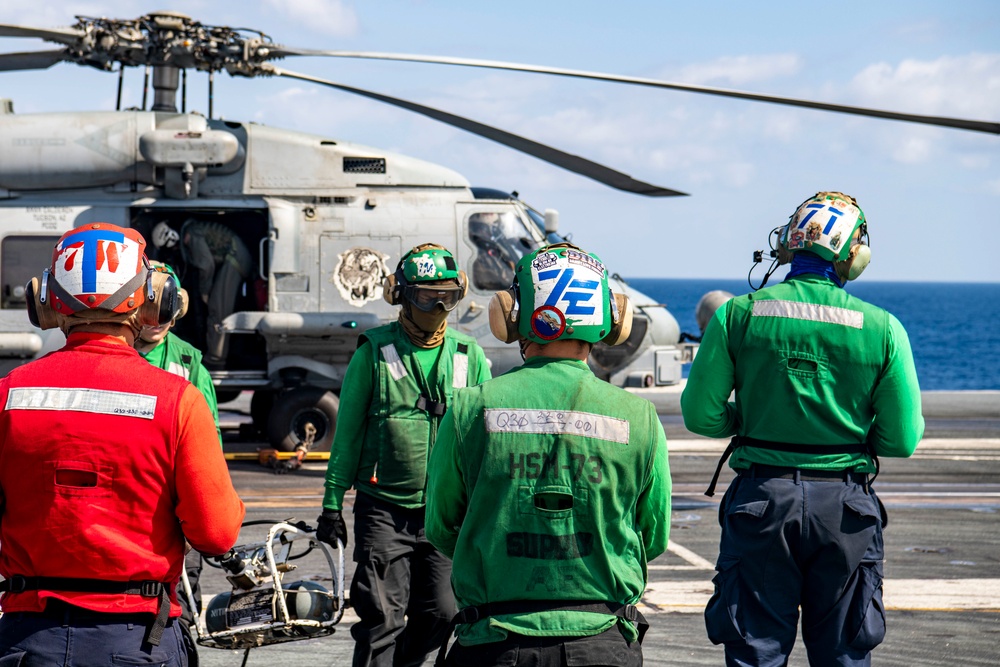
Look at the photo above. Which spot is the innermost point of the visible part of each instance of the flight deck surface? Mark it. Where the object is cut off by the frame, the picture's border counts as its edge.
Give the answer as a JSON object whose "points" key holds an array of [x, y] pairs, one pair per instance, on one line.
{"points": [[942, 545]]}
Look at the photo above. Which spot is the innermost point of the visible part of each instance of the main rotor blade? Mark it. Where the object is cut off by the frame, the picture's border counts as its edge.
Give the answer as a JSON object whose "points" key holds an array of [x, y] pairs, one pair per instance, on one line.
{"points": [[11, 62], [941, 121], [62, 35], [573, 163]]}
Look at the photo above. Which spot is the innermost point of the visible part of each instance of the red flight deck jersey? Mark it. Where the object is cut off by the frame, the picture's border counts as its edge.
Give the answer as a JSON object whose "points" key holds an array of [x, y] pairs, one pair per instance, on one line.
{"points": [[107, 464]]}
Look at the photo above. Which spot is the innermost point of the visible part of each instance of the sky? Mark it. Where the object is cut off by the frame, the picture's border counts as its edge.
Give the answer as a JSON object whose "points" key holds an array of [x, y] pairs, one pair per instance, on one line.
{"points": [[931, 195]]}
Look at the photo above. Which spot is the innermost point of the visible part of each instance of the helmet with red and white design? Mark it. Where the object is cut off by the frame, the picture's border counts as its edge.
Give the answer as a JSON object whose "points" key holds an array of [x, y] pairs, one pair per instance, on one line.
{"points": [[99, 273], [98, 266]]}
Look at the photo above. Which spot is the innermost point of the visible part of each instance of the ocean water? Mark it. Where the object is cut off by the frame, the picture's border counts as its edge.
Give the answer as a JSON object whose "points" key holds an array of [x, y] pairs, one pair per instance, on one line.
{"points": [[954, 328]]}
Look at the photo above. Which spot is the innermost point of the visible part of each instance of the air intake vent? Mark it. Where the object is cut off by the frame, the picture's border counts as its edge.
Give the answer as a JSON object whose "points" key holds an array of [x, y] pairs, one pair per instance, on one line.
{"points": [[364, 165]]}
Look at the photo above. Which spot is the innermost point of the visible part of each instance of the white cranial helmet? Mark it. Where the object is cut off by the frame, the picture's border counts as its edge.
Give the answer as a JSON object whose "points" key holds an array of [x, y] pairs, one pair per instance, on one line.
{"points": [[164, 236]]}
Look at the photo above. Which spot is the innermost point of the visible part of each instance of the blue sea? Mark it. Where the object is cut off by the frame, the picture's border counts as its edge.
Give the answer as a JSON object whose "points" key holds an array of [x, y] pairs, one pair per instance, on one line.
{"points": [[954, 328]]}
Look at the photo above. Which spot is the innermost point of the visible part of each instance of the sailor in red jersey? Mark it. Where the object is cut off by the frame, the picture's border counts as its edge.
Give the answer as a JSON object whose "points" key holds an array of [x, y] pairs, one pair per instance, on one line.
{"points": [[107, 465]]}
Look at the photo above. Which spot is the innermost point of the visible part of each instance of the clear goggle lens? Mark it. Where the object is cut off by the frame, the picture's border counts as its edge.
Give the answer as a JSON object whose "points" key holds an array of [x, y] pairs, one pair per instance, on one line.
{"points": [[429, 298]]}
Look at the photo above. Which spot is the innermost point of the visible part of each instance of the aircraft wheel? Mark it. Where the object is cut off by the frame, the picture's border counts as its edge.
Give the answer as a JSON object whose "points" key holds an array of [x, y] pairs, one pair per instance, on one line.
{"points": [[226, 395], [295, 410], [261, 405]]}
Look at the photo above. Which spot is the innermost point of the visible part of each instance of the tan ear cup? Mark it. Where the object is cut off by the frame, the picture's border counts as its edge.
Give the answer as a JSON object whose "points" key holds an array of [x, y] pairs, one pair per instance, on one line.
{"points": [[855, 264], [389, 290], [784, 254], [463, 280], [182, 297], [622, 327], [501, 323], [40, 314], [161, 309]]}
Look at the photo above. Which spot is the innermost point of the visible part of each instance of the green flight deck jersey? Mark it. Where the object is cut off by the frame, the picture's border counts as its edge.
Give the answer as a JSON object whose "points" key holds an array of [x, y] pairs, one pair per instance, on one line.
{"points": [[393, 398], [548, 484], [810, 365], [179, 357]]}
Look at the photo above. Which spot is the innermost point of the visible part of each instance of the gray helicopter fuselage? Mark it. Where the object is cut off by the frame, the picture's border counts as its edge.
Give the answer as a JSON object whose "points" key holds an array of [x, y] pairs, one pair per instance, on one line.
{"points": [[325, 222]]}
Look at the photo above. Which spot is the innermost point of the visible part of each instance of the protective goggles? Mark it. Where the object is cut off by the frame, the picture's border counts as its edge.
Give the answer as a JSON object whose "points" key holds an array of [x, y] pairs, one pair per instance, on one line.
{"points": [[427, 298]]}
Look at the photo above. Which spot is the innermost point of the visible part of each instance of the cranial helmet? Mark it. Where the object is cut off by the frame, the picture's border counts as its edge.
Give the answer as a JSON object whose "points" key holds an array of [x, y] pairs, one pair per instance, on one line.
{"points": [[825, 225], [100, 273], [420, 279], [164, 236], [182, 295], [560, 292]]}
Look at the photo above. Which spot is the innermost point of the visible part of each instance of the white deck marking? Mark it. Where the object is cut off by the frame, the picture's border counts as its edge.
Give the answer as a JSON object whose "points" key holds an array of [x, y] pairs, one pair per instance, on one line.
{"points": [[899, 595], [695, 562]]}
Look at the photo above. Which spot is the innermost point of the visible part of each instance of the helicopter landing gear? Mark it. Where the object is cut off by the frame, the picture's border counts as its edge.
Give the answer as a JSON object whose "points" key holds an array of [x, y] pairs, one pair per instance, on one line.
{"points": [[301, 414], [261, 404]]}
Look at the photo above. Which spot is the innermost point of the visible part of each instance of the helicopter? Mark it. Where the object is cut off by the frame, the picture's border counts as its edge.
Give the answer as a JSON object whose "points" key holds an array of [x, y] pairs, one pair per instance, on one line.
{"points": [[324, 220]]}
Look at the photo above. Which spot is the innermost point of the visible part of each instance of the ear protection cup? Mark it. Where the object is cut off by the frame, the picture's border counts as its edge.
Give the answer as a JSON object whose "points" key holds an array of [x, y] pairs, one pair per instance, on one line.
{"points": [[182, 303], [621, 313], [165, 303], [503, 316], [784, 254], [857, 261], [463, 280], [389, 290], [40, 314]]}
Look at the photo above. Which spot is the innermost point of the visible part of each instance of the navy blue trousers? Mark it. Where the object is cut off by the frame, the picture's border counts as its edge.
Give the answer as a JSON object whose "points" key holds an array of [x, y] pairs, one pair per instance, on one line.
{"points": [[79, 638], [401, 588], [789, 544]]}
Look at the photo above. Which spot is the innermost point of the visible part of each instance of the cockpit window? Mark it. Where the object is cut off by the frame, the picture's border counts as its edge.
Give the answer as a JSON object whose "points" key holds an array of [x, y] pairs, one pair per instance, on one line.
{"points": [[501, 239]]}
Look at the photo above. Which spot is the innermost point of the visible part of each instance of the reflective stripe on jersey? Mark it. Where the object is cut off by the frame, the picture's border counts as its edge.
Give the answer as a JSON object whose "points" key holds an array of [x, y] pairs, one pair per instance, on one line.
{"points": [[97, 401], [583, 424], [460, 365], [808, 311], [392, 360], [177, 369]]}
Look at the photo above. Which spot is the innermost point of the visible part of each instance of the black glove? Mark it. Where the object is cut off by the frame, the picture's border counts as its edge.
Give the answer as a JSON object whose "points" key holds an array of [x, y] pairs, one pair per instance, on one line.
{"points": [[330, 527]]}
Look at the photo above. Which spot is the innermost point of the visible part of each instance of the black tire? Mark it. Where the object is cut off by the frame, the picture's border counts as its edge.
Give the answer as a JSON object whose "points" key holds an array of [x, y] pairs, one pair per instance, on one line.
{"points": [[261, 404], [226, 395], [296, 408]]}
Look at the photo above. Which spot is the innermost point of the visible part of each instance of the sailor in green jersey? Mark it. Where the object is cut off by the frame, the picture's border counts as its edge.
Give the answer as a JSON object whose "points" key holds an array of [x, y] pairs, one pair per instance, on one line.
{"points": [[550, 488], [824, 384], [394, 394], [160, 347]]}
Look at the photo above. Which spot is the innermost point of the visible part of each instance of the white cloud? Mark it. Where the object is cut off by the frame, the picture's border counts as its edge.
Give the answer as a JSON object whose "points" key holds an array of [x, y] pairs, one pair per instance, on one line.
{"points": [[331, 17], [912, 150], [939, 86], [741, 70]]}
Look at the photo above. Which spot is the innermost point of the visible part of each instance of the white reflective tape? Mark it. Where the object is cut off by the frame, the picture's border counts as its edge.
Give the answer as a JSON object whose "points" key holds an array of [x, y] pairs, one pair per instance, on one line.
{"points": [[177, 369], [514, 420], [460, 370], [98, 401], [396, 367], [808, 311]]}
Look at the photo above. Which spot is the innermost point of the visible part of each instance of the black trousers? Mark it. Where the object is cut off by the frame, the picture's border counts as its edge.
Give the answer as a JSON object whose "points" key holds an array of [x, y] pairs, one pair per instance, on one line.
{"points": [[606, 649], [401, 589]]}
